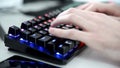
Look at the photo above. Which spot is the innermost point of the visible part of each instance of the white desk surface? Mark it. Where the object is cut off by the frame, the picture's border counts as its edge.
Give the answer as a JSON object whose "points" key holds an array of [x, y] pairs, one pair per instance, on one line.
{"points": [[87, 59]]}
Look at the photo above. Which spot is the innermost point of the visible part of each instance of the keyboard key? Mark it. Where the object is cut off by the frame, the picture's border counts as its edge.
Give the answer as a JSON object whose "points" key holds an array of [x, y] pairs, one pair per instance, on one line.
{"points": [[14, 30], [26, 25], [37, 20], [34, 37], [42, 25], [37, 27], [62, 49], [69, 43], [41, 18], [42, 32], [24, 34], [46, 29], [47, 16], [44, 40], [51, 46], [33, 22], [32, 30]]}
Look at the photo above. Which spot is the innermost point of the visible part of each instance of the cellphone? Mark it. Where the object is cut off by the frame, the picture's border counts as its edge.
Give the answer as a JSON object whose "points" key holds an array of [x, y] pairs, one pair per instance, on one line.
{"points": [[22, 62]]}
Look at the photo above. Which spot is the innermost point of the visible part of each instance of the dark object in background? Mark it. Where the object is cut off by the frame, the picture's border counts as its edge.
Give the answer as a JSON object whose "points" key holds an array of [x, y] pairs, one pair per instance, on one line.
{"points": [[2, 32], [61, 1], [65, 1]]}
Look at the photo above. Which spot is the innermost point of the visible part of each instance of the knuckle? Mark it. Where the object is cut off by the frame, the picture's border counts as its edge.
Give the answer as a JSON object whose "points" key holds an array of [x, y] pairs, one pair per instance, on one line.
{"points": [[71, 10], [94, 4], [70, 32], [71, 16]]}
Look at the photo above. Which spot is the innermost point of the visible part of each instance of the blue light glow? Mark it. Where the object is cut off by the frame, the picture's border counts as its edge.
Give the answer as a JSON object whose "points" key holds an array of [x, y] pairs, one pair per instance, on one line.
{"points": [[32, 45], [32, 62], [70, 50], [14, 36], [22, 61], [54, 40], [10, 35], [60, 45], [65, 54], [58, 55], [22, 29], [11, 61], [22, 40], [44, 50], [40, 48]]}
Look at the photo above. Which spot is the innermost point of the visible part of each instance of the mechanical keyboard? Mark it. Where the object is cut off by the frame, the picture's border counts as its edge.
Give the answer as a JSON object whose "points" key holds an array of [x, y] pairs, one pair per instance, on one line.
{"points": [[32, 38]]}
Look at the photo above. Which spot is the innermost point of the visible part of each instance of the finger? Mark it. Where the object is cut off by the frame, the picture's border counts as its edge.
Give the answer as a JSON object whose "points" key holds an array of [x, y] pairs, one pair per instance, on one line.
{"points": [[91, 7], [72, 19], [86, 14], [70, 10], [82, 7], [69, 34], [76, 11], [108, 8]]}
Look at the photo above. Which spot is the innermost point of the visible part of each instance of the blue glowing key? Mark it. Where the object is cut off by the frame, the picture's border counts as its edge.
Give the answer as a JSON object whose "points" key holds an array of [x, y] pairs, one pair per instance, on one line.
{"points": [[43, 41], [34, 37]]}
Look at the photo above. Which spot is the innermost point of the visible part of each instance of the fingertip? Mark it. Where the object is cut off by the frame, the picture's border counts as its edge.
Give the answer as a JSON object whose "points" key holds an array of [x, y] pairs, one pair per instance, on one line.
{"points": [[51, 29]]}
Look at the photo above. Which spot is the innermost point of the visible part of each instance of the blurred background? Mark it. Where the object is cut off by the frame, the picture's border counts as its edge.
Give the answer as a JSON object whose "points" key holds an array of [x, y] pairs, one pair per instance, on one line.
{"points": [[18, 3]]}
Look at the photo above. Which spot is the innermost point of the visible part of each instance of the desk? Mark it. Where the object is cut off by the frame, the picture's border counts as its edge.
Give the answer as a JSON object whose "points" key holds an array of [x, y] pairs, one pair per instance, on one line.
{"points": [[87, 59]]}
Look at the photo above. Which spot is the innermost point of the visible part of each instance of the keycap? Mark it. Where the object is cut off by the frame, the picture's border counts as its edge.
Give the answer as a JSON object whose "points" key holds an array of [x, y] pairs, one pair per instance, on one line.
{"points": [[47, 23], [41, 18], [13, 63], [47, 16], [32, 30], [42, 25], [24, 34], [32, 64], [62, 49], [34, 37], [26, 25], [51, 46], [23, 64], [69, 43], [37, 27], [42, 32], [44, 40], [14, 30], [33, 22], [37, 20]]}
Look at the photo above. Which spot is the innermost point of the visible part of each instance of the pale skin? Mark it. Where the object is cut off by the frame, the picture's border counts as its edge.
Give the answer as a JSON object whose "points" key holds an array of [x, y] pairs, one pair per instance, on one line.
{"points": [[101, 27]]}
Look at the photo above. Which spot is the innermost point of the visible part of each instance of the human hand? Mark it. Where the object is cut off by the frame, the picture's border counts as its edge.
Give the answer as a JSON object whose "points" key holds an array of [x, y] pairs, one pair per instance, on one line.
{"points": [[107, 8], [100, 32], [110, 9]]}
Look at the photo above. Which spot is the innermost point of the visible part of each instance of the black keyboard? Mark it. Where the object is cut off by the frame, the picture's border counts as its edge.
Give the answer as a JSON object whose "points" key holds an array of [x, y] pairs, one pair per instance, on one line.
{"points": [[32, 38]]}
